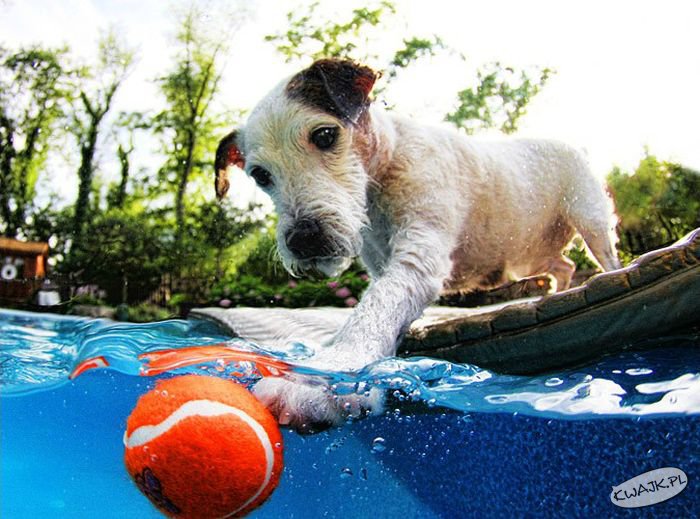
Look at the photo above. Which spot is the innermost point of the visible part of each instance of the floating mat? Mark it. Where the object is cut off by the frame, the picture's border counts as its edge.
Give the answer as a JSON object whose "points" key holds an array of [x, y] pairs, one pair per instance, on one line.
{"points": [[657, 294]]}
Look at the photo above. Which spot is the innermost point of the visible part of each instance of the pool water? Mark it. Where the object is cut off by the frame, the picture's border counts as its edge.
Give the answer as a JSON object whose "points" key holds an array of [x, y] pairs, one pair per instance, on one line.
{"points": [[456, 440]]}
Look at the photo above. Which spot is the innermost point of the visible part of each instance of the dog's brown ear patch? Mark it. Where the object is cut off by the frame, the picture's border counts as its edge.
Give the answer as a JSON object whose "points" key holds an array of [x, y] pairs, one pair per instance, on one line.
{"points": [[227, 154], [338, 87]]}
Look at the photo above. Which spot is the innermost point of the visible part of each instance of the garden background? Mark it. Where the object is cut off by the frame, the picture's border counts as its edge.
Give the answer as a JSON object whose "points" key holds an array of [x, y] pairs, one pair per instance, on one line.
{"points": [[149, 237]]}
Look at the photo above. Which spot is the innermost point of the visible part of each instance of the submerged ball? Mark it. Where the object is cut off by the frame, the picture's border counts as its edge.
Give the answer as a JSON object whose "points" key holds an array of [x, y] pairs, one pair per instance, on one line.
{"points": [[200, 446]]}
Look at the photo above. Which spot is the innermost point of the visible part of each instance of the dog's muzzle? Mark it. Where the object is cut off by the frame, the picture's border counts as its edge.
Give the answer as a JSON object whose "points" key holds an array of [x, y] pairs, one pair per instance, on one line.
{"points": [[306, 240]]}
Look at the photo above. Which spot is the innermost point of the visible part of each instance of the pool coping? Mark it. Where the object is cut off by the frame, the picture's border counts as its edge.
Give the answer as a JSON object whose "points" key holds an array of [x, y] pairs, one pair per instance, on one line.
{"points": [[655, 295]]}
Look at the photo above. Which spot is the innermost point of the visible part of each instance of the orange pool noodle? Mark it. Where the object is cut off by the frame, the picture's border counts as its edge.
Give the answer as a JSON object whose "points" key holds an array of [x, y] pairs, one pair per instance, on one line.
{"points": [[200, 446]]}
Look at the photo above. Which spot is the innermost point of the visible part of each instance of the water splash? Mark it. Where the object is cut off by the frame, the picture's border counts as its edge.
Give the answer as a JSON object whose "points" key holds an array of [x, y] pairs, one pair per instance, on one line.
{"points": [[39, 353]]}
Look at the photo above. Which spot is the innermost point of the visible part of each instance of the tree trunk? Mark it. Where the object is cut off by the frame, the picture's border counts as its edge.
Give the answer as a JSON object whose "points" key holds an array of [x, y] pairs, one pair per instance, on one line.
{"points": [[7, 154], [124, 163], [85, 174], [181, 188]]}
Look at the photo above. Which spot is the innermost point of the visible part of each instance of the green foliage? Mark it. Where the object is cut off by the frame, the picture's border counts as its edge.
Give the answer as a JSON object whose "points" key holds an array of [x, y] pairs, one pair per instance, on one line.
{"points": [[311, 37], [413, 49], [578, 254], [33, 92], [263, 262], [657, 204], [188, 129], [96, 87], [146, 313], [498, 100], [248, 290], [127, 258]]}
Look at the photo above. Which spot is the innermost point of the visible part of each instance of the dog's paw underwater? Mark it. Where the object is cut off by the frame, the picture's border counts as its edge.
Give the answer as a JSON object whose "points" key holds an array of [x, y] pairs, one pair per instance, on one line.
{"points": [[313, 408]]}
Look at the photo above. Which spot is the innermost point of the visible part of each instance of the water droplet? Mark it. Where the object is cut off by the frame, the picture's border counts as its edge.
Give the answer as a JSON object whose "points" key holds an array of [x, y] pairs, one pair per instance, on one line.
{"points": [[154, 457], [164, 393], [346, 473], [278, 445], [554, 381]]}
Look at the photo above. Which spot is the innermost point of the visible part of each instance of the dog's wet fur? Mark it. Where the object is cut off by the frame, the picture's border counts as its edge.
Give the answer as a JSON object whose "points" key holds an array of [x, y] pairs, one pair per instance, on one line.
{"points": [[427, 208]]}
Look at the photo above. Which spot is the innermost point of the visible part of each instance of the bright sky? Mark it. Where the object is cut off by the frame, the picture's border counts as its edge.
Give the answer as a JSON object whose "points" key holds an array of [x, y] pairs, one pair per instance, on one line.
{"points": [[628, 71]]}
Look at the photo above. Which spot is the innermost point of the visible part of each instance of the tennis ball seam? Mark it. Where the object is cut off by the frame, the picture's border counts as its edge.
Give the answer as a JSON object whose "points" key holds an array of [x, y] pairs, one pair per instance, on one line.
{"points": [[146, 433]]}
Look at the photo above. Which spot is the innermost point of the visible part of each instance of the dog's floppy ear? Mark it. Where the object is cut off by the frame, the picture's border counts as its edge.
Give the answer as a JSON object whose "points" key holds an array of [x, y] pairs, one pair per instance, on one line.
{"points": [[227, 154], [338, 87]]}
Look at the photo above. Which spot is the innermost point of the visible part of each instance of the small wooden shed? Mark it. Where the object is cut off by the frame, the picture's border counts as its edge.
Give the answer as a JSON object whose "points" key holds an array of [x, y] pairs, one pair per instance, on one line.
{"points": [[22, 268]]}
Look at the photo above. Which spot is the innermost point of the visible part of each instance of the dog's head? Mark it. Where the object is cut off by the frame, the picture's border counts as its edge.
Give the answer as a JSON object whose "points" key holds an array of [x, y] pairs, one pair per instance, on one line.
{"points": [[300, 146]]}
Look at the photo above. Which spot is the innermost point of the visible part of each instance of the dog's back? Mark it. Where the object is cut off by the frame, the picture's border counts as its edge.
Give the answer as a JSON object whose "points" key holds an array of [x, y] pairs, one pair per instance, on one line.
{"points": [[520, 201]]}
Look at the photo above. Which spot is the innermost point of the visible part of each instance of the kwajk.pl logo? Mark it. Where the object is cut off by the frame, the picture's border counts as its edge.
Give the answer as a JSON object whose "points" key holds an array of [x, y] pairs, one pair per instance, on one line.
{"points": [[650, 488]]}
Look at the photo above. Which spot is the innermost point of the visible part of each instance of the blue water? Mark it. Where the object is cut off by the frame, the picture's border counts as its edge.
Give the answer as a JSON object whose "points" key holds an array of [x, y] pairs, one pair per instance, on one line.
{"points": [[455, 441]]}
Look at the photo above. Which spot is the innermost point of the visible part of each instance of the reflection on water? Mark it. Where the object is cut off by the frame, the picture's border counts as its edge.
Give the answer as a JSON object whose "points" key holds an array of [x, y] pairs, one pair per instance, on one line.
{"points": [[39, 352]]}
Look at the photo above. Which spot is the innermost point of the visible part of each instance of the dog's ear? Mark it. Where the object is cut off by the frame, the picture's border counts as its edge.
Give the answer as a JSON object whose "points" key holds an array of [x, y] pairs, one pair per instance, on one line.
{"points": [[338, 87], [227, 154]]}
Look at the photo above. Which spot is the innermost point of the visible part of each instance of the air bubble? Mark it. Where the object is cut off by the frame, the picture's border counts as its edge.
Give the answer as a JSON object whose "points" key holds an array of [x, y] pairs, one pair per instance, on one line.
{"points": [[346, 472], [378, 444]]}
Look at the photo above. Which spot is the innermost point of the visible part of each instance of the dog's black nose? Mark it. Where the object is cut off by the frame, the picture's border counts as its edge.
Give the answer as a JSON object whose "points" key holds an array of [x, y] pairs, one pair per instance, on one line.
{"points": [[305, 240]]}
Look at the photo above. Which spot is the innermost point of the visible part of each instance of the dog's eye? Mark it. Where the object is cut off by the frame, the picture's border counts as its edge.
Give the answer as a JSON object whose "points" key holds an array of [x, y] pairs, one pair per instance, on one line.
{"points": [[261, 176], [324, 138]]}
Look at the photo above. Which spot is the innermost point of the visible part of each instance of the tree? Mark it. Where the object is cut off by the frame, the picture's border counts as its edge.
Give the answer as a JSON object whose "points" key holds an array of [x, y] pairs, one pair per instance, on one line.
{"points": [[310, 36], [129, 257], [125, 128], [222, 225], [96, 93], [657, 204], [32, 95], [498, 99], [187, 126]]}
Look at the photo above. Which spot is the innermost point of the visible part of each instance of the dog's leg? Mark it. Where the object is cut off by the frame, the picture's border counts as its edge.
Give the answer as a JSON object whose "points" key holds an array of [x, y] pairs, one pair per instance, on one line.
{"points": [[592, 213], [562, 270], [410, 281], [601, 242]]}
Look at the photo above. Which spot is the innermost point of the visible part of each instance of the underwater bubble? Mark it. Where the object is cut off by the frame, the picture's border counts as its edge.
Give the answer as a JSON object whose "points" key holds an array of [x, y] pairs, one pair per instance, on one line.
{"points": [[378, 444], [346, 472], [638, 371], [554, 381]]}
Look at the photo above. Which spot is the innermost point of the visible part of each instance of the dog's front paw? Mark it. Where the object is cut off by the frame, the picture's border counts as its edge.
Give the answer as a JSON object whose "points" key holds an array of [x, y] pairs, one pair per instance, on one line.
{"points": [[309, 409]]}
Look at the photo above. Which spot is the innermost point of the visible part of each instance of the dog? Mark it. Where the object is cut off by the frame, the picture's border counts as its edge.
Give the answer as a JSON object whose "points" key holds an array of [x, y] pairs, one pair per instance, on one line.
{"points": [[427, 209]]}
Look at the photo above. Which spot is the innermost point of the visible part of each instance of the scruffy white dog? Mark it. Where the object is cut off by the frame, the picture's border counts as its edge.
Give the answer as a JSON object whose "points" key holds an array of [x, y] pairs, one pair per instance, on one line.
{"points": [[425, 207]]}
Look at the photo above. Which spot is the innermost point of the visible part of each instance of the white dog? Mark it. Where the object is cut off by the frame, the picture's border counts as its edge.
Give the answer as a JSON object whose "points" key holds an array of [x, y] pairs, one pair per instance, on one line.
{"points": [[425, 207]]}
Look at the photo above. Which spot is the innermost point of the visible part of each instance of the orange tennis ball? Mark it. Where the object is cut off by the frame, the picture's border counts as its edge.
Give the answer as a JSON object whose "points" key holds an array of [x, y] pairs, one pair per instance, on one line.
{"points": [[200, 446]]}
